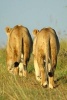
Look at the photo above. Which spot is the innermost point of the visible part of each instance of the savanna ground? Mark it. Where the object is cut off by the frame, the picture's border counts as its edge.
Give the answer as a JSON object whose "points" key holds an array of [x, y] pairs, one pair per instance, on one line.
{"points": [[20, 88]]}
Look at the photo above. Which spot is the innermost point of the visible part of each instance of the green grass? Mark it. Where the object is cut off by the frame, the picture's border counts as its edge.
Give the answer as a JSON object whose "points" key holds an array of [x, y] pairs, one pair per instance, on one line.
{"points": [[20, 88]]}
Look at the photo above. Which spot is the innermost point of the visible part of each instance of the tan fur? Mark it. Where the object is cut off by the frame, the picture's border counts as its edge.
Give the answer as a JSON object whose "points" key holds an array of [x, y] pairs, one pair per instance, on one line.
{"points": [[19, 42], [45, 51]]}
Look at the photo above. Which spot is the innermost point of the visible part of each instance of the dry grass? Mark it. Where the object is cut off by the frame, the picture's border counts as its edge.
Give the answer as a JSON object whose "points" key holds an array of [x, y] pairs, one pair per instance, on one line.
{"points": [[20, 88]]}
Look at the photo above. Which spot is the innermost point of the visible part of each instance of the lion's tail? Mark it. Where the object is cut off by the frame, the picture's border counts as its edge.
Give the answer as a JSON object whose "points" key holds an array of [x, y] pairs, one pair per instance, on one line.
{"points": [[47, 47], [19, 50]]}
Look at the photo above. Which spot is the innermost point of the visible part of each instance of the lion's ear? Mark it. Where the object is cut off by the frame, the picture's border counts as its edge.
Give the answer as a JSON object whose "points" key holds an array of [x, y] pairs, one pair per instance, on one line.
{"points": [[35, 32], [8, 30]]}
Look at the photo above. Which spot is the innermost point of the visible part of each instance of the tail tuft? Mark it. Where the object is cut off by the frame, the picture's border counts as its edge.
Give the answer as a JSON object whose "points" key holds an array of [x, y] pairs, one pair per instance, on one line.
{"points": [[16, 64]]}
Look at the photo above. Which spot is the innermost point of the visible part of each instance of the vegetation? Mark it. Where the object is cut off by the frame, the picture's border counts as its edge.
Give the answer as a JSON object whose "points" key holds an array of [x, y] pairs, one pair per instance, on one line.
{"points": [[20, 88]]}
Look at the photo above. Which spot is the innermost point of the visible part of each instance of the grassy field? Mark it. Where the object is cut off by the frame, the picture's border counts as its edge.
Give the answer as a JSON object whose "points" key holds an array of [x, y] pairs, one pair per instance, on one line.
{"points": [[20, 88]]}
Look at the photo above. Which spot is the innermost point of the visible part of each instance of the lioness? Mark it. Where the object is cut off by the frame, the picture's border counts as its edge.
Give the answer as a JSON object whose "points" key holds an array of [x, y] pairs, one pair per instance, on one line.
{"points": [[45, 50], [19, 46]]}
